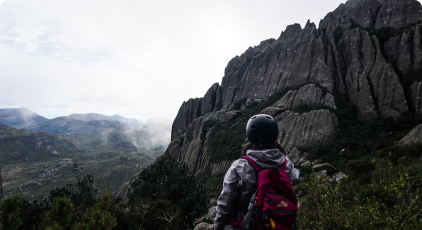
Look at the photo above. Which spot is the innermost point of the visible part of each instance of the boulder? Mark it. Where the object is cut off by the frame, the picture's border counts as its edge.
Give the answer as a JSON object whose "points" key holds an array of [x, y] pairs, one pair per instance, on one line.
{"points": [[296, 156], [326, 167], [414, 136], [204, 226], [209, 217], [336, 176]]}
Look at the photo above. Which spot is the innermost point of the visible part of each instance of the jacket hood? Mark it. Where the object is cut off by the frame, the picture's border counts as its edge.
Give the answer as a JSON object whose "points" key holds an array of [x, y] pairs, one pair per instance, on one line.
{"points": [[267, 158]]}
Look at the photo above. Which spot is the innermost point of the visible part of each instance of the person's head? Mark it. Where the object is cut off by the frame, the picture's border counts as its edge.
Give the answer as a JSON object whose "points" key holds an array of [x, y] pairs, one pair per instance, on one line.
{"points": [[262, 133]]}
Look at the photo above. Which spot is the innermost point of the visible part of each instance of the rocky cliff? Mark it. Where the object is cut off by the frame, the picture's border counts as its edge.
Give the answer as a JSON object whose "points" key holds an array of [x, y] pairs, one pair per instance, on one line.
{"points": [[369, 51]]}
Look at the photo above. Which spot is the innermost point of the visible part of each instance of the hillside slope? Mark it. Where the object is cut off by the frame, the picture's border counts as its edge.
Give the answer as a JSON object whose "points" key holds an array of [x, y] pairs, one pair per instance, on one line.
{"points": [[77, 124], [34, 163]]}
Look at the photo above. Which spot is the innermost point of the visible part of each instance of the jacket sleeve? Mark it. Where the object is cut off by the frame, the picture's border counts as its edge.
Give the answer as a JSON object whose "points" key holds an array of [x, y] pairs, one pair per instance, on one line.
{"points": [[228, 197], [292, 172]]}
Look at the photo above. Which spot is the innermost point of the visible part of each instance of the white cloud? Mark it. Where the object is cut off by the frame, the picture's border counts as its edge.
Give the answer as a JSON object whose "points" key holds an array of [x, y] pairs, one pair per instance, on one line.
{"points": [[136, 58]]}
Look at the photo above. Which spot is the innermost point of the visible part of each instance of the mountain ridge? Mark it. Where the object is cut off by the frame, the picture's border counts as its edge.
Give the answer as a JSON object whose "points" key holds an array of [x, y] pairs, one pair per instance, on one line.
{"points": [[362, 51]]}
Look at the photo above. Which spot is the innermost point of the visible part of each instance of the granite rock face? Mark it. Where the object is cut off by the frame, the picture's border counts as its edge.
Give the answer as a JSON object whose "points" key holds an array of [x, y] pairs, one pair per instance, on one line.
{"points": [[224, 117], [373, 14], [195, 108], [317, 65], [406, 49], [220, 167], [370, 81], [193, 146], [310, 95], [416, 97], [395, 13], [307, 129]]}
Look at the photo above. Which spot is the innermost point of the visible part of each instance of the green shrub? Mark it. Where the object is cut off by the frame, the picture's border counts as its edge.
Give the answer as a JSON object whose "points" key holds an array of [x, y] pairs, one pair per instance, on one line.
{"points": [[167, 183], [59, 216], [10, 213], [237, 104], [97, 217], [388, 201]]}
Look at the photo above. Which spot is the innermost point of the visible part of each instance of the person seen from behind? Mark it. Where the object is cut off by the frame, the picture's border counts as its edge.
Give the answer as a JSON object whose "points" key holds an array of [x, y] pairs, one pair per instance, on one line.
{"points": [[262, 151]]}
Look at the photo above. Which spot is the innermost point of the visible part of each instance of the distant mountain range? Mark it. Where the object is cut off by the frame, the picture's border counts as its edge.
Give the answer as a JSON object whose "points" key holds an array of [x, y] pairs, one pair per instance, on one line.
{"points": [[37, 154], [20, 117], [75, 124]]}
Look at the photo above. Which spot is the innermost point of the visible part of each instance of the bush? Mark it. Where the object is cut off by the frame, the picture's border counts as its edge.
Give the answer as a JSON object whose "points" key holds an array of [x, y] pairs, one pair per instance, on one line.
{"points": [[10, 210], [388, 201], [166, 195], [59, 216]]}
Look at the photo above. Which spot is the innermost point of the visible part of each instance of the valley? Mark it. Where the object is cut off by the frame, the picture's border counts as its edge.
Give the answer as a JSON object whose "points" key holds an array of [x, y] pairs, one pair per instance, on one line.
{"points": [[66, 148]]}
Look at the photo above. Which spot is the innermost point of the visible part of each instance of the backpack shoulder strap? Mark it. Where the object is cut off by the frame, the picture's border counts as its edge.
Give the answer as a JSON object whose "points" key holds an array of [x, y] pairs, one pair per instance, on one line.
{"points": [[253, 164], [284, 164]]}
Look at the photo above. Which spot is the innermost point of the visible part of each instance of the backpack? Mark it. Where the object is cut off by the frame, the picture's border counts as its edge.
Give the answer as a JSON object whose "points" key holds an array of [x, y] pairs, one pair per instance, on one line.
{"points": [[274, 204]]}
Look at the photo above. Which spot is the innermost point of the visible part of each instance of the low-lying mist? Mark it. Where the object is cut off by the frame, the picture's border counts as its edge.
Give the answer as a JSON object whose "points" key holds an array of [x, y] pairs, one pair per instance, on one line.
{"points": [[156, 133]]}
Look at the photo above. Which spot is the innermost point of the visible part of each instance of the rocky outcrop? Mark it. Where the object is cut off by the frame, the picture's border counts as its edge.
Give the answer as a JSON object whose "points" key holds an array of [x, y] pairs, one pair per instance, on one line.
{"points": [[370, 81], [310, 95], [416, 97], [414, 136], [297, 156], [195, 108], [327, 167], [294, 61], [188, 112], [192, 147], [210, 99], [307, 129], [406, 49], [125, 189], [209, 217], [373, 14], [395, 13], [317, 64]]}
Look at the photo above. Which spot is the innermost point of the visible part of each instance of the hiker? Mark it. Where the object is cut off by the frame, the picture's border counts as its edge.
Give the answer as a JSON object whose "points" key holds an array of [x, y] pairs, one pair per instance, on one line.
{"points": [[240, 181]]}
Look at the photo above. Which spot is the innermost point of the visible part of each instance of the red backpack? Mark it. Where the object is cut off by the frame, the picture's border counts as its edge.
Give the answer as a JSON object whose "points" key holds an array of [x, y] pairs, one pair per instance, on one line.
{"points": [[274, 204]]}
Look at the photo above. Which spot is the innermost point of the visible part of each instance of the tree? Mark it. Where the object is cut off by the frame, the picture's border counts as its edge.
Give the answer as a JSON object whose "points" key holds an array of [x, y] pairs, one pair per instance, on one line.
{"points": [[1, 197], [1, 188], [10, 213], [170, 195], [97, 217], [58, 217]]}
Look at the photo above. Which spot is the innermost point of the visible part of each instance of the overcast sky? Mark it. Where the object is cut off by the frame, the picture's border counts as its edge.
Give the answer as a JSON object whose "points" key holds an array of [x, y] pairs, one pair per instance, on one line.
{"points": [[136, 58]]}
